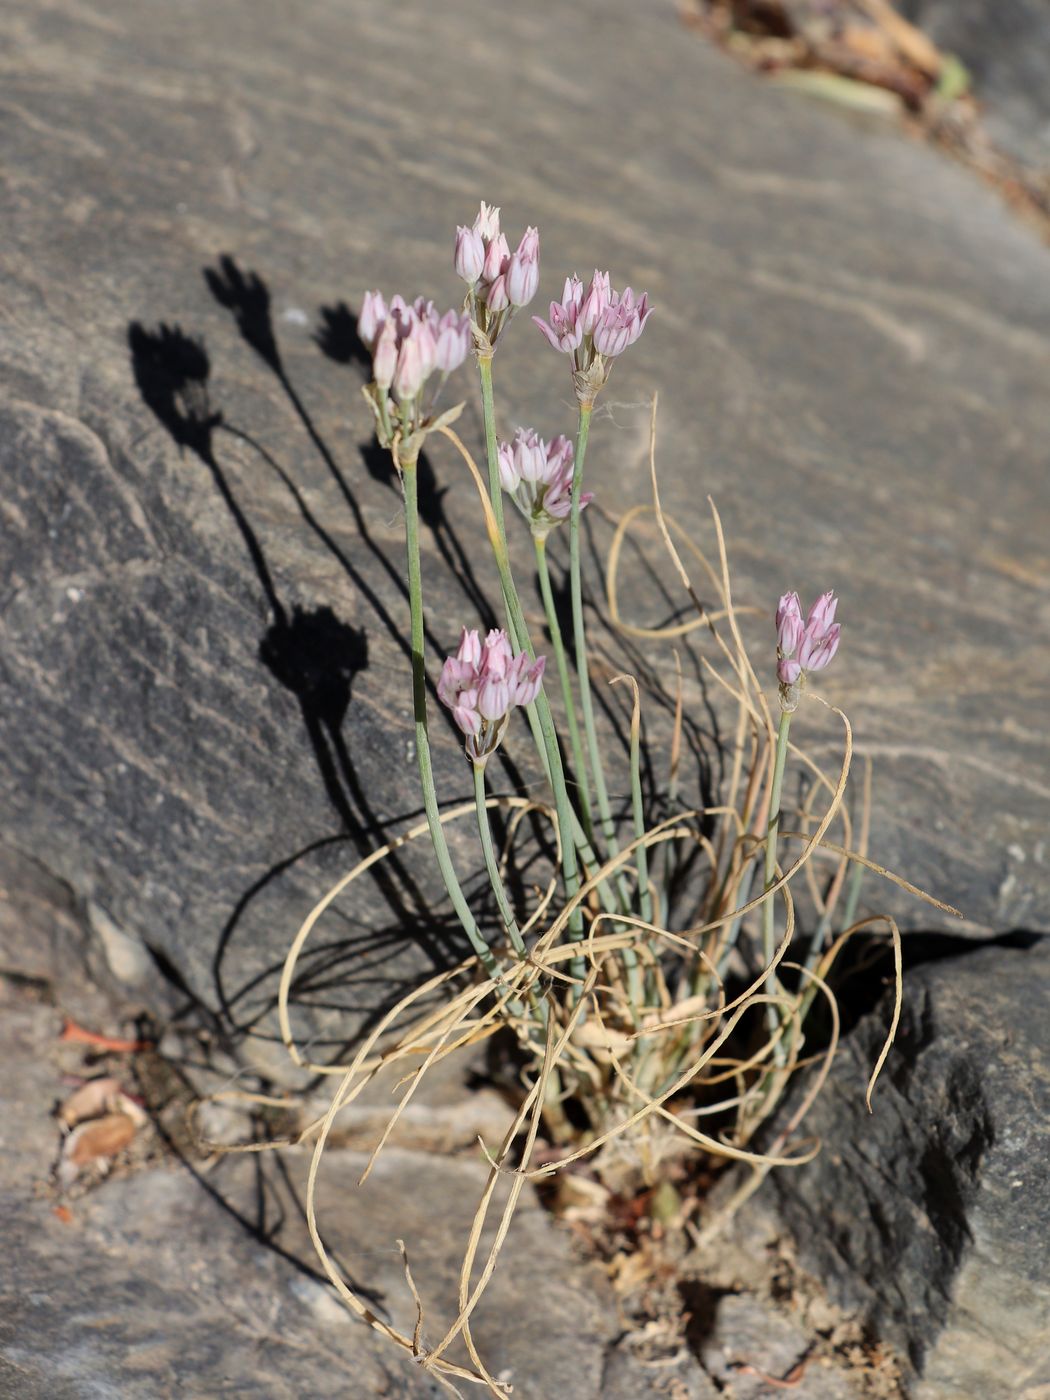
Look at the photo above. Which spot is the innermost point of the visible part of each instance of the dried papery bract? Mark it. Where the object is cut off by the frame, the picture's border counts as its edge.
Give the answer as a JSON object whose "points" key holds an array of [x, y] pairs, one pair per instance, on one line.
{"points": [[660, 1006]]}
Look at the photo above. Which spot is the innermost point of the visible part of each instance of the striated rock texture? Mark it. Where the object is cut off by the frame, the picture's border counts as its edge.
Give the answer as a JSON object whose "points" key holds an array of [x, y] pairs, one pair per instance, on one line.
{"points": [[203, 677], [1005, 44], [205, 712], [930, 1216]]}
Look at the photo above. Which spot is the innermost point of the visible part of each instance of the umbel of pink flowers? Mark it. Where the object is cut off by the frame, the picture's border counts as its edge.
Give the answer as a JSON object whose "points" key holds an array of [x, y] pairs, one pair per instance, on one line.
{"points": [[499, 281], [538, 475], [594, 327], [482, 683], [803, 647], [410, 343]]}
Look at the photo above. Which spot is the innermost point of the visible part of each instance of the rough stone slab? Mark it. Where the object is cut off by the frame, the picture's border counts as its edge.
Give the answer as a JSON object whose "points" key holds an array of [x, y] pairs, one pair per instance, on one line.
{"points": [[750, 1342], [930, 1217], [163, 1284], [178, 1280], [848, 327], [1005, 44]]}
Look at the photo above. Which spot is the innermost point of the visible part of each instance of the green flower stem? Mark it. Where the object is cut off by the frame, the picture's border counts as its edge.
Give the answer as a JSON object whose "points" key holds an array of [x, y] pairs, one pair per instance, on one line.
{"points": [[773, 829], [520, 635], [580, 636], [583, 786], [583, 846], [645, 898], [743, 894], [498, 889], [419, 705]]}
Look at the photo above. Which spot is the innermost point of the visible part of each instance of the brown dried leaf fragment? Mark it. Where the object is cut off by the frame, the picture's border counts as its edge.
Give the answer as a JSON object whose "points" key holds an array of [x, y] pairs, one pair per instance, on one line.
{"points": [[94, 1141]]}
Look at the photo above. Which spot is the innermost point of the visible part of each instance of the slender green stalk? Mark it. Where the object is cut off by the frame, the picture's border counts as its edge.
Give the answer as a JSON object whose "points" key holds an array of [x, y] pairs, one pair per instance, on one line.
{"points": [[772, 831], [645, 899], [419, 705], [520, 635], [582, 784], [580, 636], [856, 879], [495, 879], [586, 851]]}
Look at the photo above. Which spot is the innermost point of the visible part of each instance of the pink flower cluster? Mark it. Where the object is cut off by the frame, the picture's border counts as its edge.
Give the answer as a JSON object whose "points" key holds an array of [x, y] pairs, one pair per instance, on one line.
{"points": [[815, 641], [594, 322], [498, 278], [408, 343], [539, 476], [482, 683]]}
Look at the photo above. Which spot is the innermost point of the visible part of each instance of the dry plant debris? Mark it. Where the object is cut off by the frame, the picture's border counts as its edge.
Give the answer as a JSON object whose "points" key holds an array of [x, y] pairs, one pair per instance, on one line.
{"points": [[865, 54]]}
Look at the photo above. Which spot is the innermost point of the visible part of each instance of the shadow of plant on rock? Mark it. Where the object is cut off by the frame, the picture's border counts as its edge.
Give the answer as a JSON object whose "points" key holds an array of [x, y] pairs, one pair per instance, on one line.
{"points": [[315, 656]]}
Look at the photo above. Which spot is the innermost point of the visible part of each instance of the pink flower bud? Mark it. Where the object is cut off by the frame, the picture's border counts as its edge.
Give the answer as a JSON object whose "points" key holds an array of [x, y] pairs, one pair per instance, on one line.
{"points": [[469, 647], [640, 313], [496, 298], [816, 652], [523, 271], [789, 606], [411, 370], [564, 332], [621, 322], [526, 681], [384, 358], [469, 256], [457, 689], [508, 473], [556, 503], [497, 256], [612, 334], [530, 455], [816, 643], [370, 321], [822, 614], [494, 676], [559, 457], [595, 302], [496, 655], [572, 292], [425, 338], [486, 225], [789, 624], [494, 698], [453, 341]]}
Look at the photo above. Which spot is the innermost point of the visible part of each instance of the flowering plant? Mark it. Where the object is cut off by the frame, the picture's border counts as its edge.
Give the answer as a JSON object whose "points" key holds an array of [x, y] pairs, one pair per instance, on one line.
{"points": [[648, 984]]}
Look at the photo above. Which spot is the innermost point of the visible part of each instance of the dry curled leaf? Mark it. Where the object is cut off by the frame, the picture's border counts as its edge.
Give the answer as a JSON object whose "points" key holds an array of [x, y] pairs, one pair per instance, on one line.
{"points": [[91, 1100], [96, 1098], [97, 1140]]}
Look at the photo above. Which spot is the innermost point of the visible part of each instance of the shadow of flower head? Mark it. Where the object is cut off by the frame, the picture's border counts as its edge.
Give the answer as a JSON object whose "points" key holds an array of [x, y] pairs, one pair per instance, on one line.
{"points": [[316, 656], [247, 296], [171, 370], [337, 337]]}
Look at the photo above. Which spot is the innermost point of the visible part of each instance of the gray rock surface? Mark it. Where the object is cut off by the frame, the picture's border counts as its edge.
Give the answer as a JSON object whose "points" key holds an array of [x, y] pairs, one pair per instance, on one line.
{"points": [[1005, 44], [930, 1217], [204, 716], [199, 1278], [848, 326]]}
